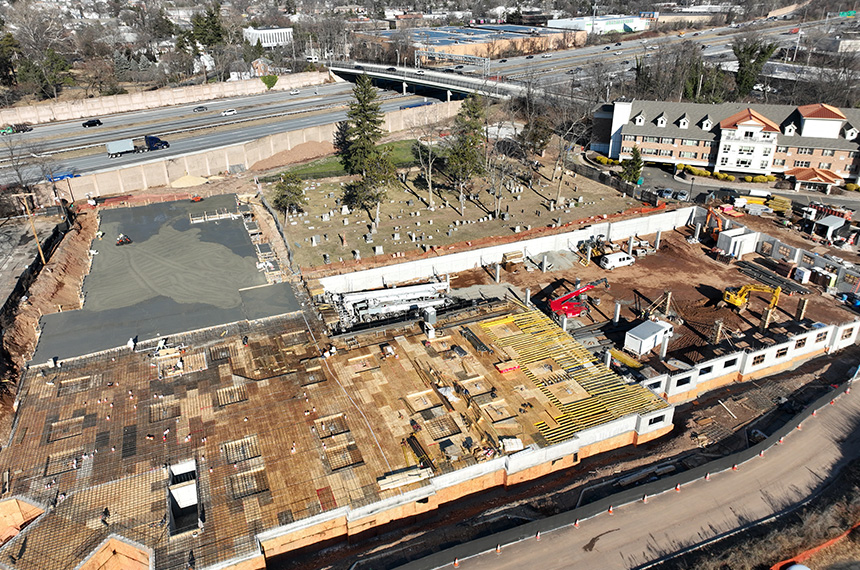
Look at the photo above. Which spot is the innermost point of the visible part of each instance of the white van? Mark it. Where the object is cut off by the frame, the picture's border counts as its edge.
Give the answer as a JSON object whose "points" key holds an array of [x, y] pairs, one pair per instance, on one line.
{"points": [[613, 260]]}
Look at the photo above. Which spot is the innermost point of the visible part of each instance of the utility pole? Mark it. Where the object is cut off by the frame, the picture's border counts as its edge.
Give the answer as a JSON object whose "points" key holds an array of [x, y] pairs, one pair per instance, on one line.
{"points": [[23, 197]]}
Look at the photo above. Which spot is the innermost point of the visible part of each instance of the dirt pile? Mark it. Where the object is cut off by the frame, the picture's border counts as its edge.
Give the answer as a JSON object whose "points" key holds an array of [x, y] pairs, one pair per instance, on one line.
{"points": [[303, 152]]}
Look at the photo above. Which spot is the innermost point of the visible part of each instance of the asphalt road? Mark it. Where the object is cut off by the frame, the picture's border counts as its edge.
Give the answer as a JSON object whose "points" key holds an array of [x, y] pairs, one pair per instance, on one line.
{"points": [[639, 534]]}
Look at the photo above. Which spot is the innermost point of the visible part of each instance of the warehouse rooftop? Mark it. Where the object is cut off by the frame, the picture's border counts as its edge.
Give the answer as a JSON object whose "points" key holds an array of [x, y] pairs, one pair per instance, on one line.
{"points": [[188, 450]]}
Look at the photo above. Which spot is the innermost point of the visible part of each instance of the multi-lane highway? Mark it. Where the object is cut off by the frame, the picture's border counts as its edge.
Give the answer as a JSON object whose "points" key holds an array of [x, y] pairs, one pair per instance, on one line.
{"points": [[279, 111]]}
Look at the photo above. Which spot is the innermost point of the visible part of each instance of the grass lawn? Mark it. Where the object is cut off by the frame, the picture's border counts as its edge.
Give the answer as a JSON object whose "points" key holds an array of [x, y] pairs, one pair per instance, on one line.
{"points": [[401, 156]]}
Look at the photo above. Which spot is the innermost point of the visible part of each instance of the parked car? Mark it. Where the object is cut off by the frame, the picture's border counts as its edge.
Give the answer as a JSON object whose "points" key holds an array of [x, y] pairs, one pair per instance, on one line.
{"points": [[228, 112], [682, 195], [91, 123], [666, 192], [200, 109], [294, 91]]}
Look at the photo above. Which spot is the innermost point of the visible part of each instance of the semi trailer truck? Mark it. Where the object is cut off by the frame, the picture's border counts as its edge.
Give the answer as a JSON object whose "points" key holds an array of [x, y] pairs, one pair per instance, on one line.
{"points": [[125, 146]]}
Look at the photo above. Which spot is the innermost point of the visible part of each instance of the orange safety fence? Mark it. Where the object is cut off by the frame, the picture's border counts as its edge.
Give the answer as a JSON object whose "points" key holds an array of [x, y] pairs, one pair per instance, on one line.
{"points": [[355, 265], [806, 555], [129, 200]]}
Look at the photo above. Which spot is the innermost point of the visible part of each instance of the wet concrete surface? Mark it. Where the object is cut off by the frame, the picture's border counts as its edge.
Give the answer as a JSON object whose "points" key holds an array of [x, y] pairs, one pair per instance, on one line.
{"points": [[175, 276]]}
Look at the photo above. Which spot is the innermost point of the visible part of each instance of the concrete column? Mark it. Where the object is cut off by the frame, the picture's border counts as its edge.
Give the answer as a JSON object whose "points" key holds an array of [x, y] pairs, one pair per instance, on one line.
{"points": [[765, 319], [404, 88], [668, 302], [498, 272], [576, 283], [657, 241], [630, 246], [543, 264], [587, 258], [664, 347], [775, 251], [617, 316], [801, 310], [448, 93], [717, 333], [698, 231], [528, 297], [607, 358], [564, 323]]}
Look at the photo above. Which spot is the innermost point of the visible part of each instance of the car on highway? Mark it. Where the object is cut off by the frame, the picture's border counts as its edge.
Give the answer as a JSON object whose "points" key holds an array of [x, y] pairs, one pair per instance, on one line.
{"points": [[625, 62], [682, 195], [200, 109], [459, 67], [390, 69], [546, 55], [617, 44], [419, 72], [607, 48], [91, 123], [530, 57], [294, 92], [229, 112], [503, 61]]}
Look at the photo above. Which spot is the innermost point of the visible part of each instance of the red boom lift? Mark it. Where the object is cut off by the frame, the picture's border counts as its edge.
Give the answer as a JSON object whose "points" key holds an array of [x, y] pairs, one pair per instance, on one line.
{"points": [[574, 303]]}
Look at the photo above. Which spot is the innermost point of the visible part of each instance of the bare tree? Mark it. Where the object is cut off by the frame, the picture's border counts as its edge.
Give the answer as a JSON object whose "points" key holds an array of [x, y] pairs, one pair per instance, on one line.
{"points": [[427, 149]]}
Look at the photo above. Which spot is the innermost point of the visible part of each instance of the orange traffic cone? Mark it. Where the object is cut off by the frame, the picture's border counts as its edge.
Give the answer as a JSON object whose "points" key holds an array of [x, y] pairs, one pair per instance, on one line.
{"points": [[781, 440], [537, 536], [456, 563], [814, 413], [848, 390], [800, 426], [610, 511], [678, 487], [576, 523], [735, 467], [707, 476], [761, 453], [498, 549], [832, 402], [645, 498]]}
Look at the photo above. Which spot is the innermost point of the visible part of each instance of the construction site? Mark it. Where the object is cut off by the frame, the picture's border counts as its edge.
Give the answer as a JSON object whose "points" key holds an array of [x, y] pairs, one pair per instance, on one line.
{"points": [[217, 411]]}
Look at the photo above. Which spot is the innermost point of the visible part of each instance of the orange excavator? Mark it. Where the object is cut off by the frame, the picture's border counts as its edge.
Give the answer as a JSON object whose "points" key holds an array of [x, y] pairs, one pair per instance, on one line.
{"points": [[713, 215], [575, 303]]}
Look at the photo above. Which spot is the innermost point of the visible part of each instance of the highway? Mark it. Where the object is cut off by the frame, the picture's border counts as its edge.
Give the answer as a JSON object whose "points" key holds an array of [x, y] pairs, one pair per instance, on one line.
{"points": [[637, 534], [279, 111]]}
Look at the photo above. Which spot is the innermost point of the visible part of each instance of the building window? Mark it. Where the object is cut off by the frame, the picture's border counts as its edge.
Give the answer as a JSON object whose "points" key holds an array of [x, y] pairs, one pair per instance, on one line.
{"points": [[743, 163], [626, 149], [851, 168], [689, 142], [782, 149], [667, 140], [828, 152], [852, 154], [821, 337], [724, 161], [665, 152], [765, 152], [705, 370], [763, 164], [682, 381], [707, 144], [779, 162], [649, 151], [654, 386], [804, 150], [727, 148], [765, 136], [686, 154], [781, 352], [629, 138], [758, 359], [825, 165], [650, 139], [800, 343], [801, 163], [731, 362], [656, 420], [846, 334], [746, 150]]}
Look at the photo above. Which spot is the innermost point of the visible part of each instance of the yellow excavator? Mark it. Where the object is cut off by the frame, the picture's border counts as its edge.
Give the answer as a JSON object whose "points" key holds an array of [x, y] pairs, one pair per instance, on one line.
{"points": [[739, 297]]}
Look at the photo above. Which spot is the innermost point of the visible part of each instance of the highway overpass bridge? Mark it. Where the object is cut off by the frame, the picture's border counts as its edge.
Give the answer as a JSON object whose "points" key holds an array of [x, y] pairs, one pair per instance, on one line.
{"points": [[493, 86]]}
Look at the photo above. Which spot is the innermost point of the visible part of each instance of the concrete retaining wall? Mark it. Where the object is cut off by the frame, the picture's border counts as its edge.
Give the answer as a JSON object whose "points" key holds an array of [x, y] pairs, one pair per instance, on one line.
{"points": [[426, 268], [161, 172], [100, 106]]}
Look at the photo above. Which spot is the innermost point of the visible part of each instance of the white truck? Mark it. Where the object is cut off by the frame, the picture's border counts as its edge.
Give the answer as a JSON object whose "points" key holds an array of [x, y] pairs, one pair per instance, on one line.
{"points": [[125, 146]]}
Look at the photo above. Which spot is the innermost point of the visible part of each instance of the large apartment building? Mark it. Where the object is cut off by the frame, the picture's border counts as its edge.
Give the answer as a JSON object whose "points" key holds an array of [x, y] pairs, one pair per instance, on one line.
{"points": [[814, 144]]}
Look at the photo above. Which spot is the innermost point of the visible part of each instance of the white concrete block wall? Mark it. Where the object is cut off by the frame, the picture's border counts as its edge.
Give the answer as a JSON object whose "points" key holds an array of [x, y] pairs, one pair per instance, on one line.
{"points": [[702, 372], [647, 423], [657, 384], [533, 456], [844, 335], [463, 261]]}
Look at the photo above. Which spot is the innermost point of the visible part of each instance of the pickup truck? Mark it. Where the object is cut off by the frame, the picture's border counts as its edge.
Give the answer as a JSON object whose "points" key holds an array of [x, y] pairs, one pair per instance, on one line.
{"points": [[125, 146]]}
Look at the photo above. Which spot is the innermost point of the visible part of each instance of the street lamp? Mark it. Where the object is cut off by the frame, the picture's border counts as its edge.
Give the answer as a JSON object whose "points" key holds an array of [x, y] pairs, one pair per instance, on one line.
{"points": [[692, 179]]}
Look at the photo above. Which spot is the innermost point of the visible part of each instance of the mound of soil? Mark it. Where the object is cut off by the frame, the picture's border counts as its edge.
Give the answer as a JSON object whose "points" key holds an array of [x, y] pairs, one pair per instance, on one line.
{"points": [[303, 152]]}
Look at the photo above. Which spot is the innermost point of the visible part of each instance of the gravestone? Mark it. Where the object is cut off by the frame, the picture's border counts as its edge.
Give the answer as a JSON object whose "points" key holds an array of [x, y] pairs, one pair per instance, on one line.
{"points": [[377, 250]]}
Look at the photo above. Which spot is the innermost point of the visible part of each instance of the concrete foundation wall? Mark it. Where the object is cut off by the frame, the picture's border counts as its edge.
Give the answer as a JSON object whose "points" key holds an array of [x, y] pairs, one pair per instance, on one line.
{"points": [[100, 106], [427, 268]]}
